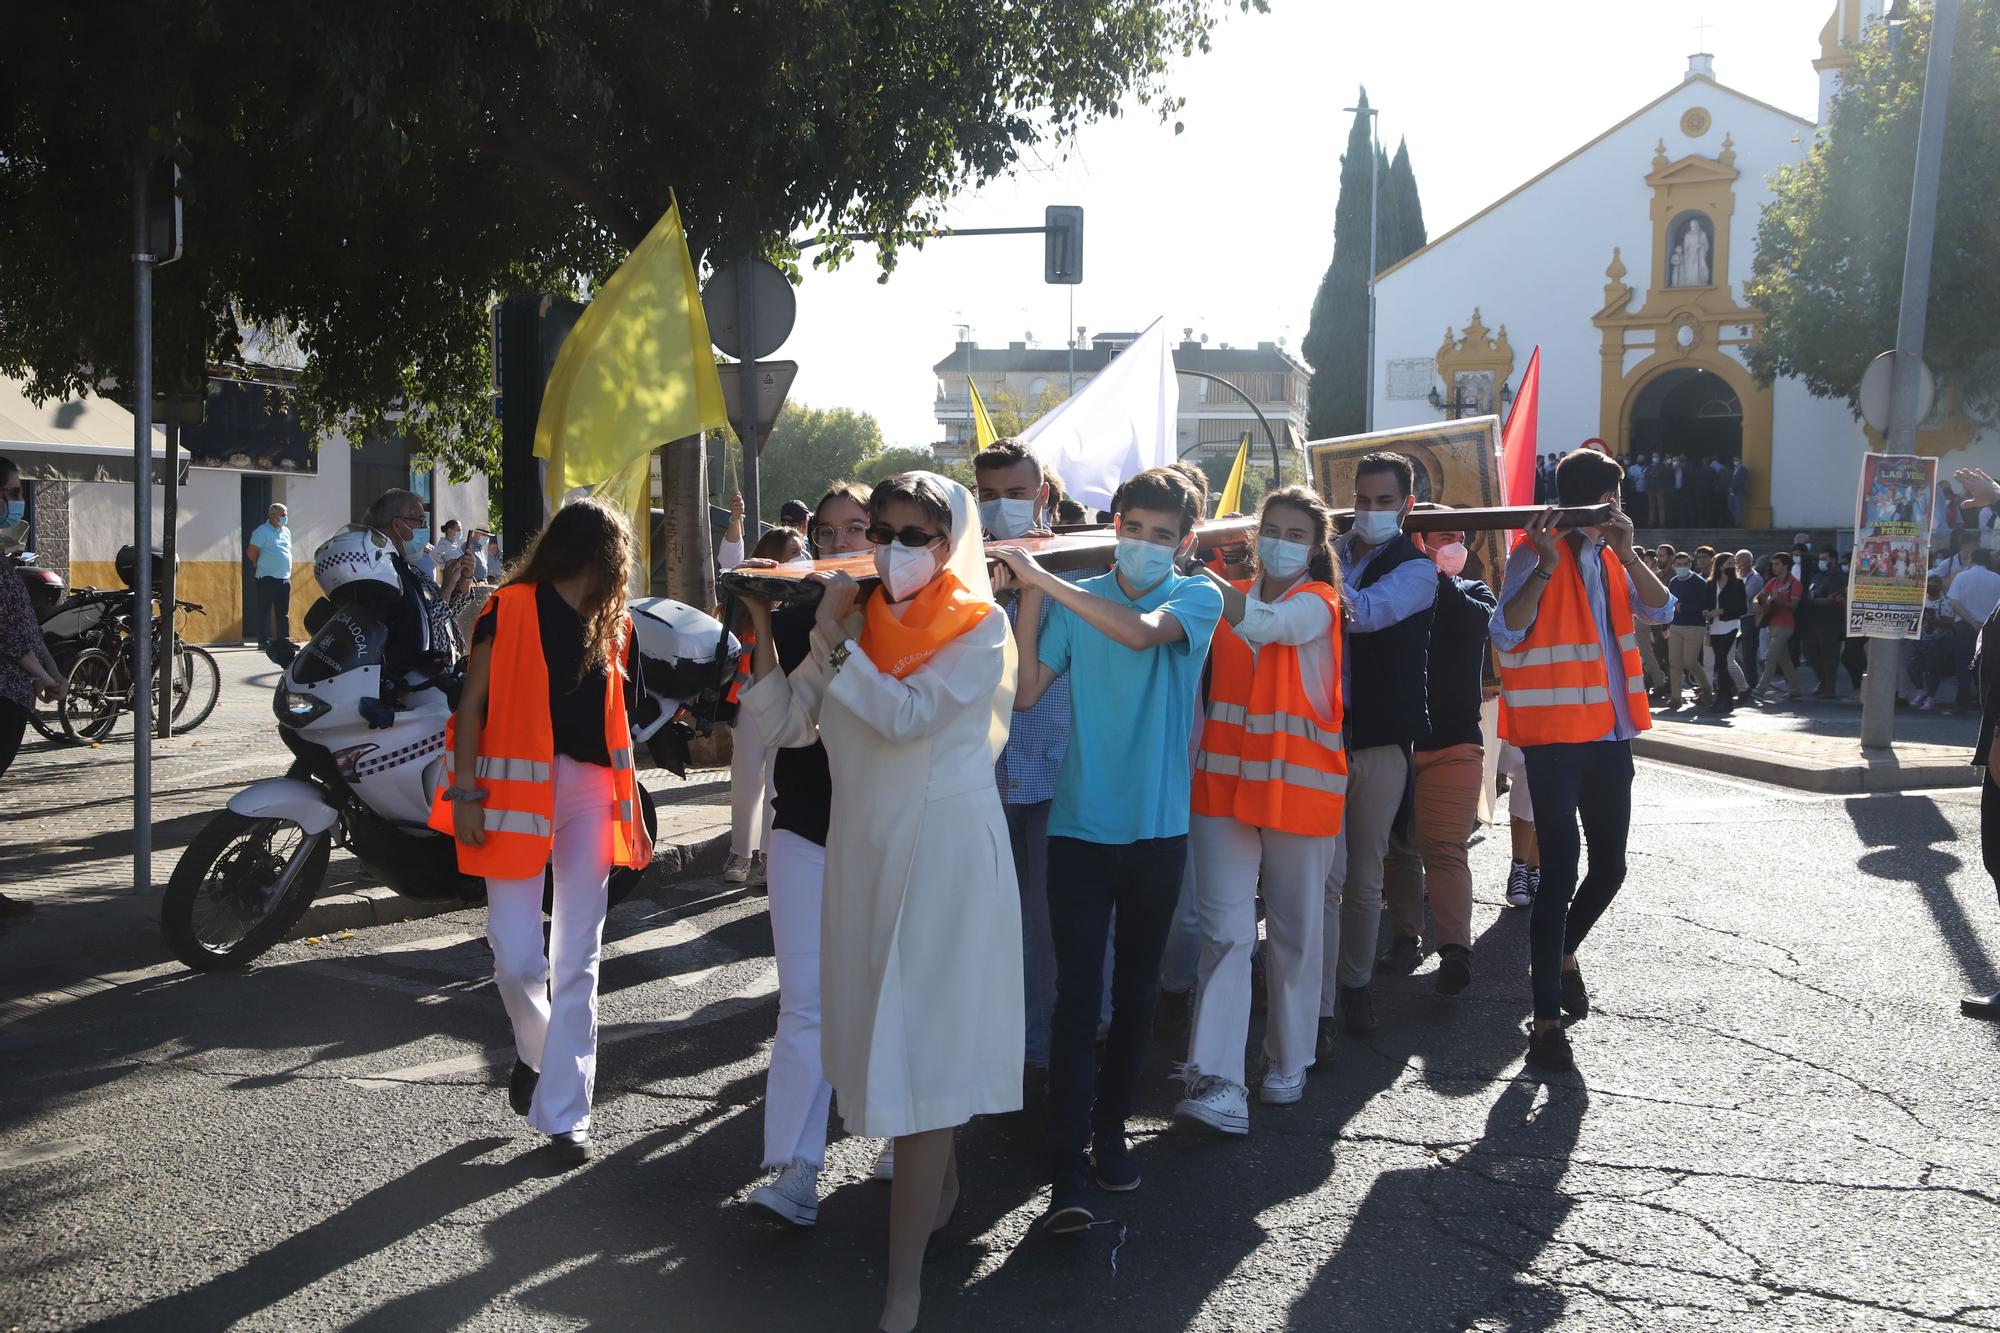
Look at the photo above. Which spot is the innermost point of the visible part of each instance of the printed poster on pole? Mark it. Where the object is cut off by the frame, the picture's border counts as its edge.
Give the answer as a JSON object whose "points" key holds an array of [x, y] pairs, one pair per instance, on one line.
{"points": [[1892, 546]]}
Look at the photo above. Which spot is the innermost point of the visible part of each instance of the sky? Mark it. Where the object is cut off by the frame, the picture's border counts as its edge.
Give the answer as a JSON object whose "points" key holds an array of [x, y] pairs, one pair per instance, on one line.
{"points": [[1228, 227]]}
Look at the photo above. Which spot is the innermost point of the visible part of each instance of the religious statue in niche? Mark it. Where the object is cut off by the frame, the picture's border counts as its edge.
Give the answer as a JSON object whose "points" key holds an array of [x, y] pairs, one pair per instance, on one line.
{"points": [[1475, 389], [1689, 245]]}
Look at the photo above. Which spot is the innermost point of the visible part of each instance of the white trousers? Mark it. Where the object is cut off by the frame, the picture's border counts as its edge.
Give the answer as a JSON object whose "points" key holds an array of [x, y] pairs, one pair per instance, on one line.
{"points": [[750, 760], [796, 1093], [1230, 854], [1353, 916], [555, 1030], [1520, 801]]}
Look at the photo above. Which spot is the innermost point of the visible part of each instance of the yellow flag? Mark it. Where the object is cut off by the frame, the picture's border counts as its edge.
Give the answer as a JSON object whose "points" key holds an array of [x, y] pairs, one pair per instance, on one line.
{"points": [[982, 425], [1231, 500], [635, 373]]}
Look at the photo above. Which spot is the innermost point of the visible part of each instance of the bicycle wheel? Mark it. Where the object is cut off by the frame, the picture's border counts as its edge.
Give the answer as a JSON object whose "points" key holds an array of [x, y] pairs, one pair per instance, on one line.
{"points": [[197, 686], [97, 693]]}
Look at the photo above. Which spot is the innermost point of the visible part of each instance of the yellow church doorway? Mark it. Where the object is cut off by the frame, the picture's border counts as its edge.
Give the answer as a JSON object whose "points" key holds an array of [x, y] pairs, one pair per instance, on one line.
{"points": [[1689, 411]]}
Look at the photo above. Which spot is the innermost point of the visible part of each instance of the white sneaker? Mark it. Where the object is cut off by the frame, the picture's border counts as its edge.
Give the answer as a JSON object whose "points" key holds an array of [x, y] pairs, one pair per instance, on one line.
{"points": [[885, 1163], [793, 1197], [1218, 1104], [736, 870], [1280, 1089], [759, 868]]}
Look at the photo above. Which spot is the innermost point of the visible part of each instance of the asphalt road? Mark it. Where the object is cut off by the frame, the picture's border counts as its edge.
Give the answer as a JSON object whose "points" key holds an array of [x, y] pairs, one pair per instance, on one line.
{"points": [[1780, 1121]]}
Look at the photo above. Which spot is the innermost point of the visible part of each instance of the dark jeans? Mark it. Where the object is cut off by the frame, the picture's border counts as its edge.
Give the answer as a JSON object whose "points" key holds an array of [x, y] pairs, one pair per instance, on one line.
{"points": [[1823, 654], [1746, 649], [1725, 684], [1591, 782], [1142, 880], [273, 616], [1989, 827], [1028, 830], [13, 722]]}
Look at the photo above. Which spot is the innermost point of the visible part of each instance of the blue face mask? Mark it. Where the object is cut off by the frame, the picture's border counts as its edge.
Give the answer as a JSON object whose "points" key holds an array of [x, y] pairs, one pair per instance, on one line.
{"points": [[414, 544], [1142, 563], [12, 512]]}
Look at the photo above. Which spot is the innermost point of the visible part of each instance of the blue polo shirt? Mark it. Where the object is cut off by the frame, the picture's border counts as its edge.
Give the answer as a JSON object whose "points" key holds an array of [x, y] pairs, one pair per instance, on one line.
{"points": [[274, 551], [1126, 776]]}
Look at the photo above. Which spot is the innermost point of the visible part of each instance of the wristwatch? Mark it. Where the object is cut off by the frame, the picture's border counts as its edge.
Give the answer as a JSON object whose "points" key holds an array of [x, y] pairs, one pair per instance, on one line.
{"points": [[841, 652], [1542, 574], [463, 794]]}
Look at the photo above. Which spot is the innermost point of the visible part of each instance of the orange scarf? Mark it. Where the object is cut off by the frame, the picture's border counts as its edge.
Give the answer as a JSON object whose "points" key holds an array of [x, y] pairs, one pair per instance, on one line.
{"points": [[934, 617]]}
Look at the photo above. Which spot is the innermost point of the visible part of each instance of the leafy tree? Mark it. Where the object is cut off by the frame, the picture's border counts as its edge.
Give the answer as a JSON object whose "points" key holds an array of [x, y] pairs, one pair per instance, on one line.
{"points": [[1256, 477], [1011, 415], [369, 175], [1829, 269], [914, 458], [811, 448], [1336, 341]]}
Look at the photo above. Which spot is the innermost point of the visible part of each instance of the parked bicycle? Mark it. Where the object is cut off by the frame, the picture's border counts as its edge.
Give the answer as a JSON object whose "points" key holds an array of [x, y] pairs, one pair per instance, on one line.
{"points": [[101, 677]]}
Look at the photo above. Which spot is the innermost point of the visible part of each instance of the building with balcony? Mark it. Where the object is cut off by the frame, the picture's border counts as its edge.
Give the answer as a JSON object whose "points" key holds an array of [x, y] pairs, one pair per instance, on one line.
{"points": [[1027, 380]]}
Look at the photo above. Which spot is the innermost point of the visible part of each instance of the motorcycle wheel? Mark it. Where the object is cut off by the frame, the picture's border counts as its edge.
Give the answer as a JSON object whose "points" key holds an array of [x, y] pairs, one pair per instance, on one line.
{"points": [[241, 885], [623, 881]]}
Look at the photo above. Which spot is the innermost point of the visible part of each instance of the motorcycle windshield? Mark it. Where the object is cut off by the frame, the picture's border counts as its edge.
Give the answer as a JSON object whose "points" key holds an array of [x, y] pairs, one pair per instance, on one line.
{"points": [[345, 643]]}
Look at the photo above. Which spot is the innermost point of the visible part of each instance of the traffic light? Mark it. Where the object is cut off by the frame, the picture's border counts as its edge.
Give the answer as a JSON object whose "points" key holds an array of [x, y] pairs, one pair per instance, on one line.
{"points": [[1062, 256]]}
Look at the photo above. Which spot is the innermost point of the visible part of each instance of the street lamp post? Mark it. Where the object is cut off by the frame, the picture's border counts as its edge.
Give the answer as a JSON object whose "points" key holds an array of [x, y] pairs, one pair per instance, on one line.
{"points": [[1374, 115]]}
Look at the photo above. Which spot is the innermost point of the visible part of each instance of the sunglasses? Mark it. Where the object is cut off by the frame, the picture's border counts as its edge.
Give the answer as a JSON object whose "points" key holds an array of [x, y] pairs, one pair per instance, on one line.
{"points": [[881, 534]]}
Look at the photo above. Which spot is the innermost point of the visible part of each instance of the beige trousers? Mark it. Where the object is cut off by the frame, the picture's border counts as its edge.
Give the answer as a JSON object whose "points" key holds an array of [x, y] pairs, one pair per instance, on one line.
{"points": [[1778, 658], [1684, 645], [1433, 856]]}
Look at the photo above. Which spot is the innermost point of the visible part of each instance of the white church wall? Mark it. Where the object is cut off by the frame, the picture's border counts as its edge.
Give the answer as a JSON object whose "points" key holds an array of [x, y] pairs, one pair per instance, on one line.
{"points": [[1535, 262]]}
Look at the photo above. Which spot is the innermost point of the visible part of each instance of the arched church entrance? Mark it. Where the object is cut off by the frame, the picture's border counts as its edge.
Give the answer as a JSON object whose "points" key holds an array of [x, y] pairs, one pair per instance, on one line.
{"points": [[1688, 411]]}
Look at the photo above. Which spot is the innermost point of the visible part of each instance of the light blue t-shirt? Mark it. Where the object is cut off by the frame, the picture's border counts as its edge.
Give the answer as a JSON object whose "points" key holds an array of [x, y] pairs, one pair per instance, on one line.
{"points": [[1126, 775], [274, 551]]}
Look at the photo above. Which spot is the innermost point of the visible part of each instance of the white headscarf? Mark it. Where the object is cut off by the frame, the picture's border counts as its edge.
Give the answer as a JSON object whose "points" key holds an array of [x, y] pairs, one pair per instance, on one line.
{"points": [[967, 559]]}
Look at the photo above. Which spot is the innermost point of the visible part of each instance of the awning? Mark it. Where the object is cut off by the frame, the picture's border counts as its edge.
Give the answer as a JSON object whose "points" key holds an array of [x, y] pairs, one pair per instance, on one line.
{"points": [[69, 439]]}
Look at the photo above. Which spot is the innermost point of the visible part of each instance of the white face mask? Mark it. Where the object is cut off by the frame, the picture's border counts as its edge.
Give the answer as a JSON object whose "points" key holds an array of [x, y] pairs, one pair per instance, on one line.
{"points": [[797, 561], [1376, 526], [1450, 557], [1007, 518], [905, 569], [1282, 559]]}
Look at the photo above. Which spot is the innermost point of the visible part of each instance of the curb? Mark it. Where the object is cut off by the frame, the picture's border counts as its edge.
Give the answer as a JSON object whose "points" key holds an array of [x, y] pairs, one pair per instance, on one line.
{"points": [[1856, 776]]}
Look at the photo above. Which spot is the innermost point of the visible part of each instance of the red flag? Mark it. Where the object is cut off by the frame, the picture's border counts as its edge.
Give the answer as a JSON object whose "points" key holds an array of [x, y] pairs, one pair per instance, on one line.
{"points": [[1517, 441], [1517, 438]]}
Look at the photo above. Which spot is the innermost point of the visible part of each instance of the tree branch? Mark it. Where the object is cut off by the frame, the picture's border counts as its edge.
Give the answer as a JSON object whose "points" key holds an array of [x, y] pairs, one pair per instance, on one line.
{"points": [[518, 146]]}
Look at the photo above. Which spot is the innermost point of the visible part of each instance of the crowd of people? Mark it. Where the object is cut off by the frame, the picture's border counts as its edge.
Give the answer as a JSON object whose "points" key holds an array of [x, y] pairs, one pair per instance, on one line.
{"points": [[1671, 490], [1122, 771], [1770, 628]]}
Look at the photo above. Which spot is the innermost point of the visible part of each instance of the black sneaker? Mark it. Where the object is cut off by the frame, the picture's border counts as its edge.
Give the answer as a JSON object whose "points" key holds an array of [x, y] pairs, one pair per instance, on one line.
{"points": [[1357, 1010], [1454, 971], [1549, 1049], [1068, 1214], [1401, 957], [1575, 999], [1520, 888], [1112, 1165], [1326, 1046], [571, 1147], [521, 1087]]}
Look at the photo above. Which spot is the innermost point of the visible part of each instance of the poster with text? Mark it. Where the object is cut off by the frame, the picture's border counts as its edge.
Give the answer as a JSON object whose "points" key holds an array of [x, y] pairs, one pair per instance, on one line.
{"points": [[1892, 546]]}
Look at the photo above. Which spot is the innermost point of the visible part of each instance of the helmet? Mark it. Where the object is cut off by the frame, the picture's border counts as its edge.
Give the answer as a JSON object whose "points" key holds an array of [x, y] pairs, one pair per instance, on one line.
{"points": [[352, 559]]}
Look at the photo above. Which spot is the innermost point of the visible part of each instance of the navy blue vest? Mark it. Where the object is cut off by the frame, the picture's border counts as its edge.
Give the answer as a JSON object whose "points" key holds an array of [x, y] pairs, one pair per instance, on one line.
{"points": [[1388, 698]]}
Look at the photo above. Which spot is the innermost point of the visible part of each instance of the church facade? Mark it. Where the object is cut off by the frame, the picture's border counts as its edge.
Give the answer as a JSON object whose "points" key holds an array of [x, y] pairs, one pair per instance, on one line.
{"points": [[1626, 262]]}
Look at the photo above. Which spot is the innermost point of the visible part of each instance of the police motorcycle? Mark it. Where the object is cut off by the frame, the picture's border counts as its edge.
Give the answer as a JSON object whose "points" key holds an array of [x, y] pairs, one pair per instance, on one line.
{"points": [[368, 751]]}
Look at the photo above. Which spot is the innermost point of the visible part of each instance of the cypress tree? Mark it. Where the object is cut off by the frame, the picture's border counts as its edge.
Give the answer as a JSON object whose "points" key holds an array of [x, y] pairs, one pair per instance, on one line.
{"points": [[1336, 342]]}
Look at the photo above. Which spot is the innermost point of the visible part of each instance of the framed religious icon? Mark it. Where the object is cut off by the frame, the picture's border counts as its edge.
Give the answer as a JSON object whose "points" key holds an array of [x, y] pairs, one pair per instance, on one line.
{"points": [[1453, 463]]}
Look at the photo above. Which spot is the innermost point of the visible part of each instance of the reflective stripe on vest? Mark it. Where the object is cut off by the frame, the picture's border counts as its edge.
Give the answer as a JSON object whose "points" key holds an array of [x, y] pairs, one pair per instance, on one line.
{"points": [[1270, 724], [1277, 770], [518, 821], [1562, 652], [1556, 698], [512, 770]]}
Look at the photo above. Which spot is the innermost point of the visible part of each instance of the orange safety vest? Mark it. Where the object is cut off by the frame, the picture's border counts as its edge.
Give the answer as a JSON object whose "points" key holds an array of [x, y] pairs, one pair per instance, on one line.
{"points": [[516, 766], [740, 681], [1268, 758], [1554, 689]]}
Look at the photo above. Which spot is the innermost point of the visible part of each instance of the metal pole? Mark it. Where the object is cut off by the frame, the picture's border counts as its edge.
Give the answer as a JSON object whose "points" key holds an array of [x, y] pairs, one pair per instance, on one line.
{"points": [[1270, 436], [746, 393], [169, 513], [142, 534], [1878, 687], [1069, 388]]}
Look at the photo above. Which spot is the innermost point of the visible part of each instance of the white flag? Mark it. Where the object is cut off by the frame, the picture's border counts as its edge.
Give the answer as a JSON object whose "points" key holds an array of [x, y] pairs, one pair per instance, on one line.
{"points": [[1116, 426]]}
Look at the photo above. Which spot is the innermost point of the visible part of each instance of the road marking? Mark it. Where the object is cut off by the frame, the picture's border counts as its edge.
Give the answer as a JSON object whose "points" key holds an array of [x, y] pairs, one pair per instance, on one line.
{"points": [[42, 1002], [49, 1150], [493, 1058]]}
